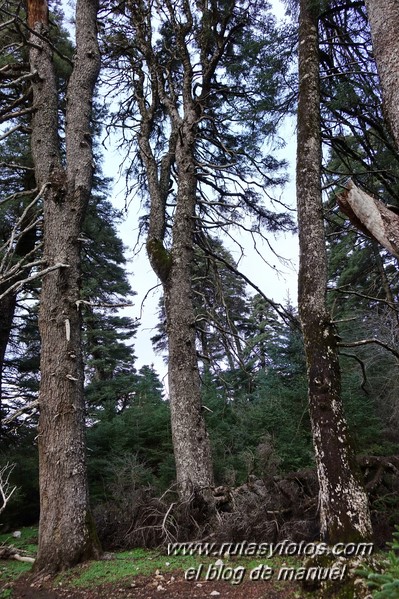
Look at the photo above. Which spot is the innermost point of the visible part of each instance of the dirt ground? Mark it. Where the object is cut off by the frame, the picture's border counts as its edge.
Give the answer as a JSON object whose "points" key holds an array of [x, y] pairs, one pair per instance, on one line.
{"points": [[152, 587]]}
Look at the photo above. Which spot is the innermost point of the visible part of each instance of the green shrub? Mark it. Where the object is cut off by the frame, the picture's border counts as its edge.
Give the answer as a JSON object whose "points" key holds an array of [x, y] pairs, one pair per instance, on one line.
{"points": [[385, 584]]}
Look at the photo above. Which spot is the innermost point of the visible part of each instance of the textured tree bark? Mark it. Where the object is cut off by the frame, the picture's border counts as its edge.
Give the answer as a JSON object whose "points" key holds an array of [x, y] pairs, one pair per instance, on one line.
{"points": [[8, 304], [344, 514], [191, 446], [66, 532], [190, 439], [383, 16], [173, 266]]}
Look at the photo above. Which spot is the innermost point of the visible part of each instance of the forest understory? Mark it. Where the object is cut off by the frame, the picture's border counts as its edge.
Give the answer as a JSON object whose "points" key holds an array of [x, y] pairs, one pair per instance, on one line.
{"points": [[262, 510], [279, 421], [276, 509]]}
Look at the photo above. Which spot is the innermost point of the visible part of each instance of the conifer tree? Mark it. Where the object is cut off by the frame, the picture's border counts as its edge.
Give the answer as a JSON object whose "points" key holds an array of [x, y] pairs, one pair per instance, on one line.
{"points": [[344, 513], [197, 136], [67, 534]]}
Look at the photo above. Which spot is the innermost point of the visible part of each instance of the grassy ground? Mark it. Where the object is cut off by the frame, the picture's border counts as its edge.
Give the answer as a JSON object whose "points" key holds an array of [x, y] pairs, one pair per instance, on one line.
{"points": [[121, 565], [136, 562], [118, 573], [11, 569]]}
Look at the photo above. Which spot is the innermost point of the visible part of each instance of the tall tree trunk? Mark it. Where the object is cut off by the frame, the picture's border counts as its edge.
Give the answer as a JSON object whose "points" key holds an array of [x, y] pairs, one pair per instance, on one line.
{"points": [[191, 444], [383, 17], [190, 439], [344, 513], [66, 533]]}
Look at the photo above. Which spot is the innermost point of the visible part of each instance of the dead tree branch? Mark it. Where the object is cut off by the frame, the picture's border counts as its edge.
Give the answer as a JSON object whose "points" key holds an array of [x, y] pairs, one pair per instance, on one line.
{"points": [[368, 342], [371, 216], [6, 490], [32, 405], [19, 284]]}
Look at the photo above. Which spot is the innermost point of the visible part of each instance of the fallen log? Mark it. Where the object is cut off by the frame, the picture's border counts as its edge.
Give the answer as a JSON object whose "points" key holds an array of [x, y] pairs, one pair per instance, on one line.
{"points": [[11, 552]]}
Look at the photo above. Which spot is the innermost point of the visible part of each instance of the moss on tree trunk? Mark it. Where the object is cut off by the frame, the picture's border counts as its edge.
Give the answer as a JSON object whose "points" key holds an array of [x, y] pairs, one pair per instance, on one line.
{"points": [[344, 513]]}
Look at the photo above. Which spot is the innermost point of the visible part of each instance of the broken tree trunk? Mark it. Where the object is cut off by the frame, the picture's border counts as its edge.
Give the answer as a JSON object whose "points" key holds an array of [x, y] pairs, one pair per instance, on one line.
{"points": [[371, 216]]}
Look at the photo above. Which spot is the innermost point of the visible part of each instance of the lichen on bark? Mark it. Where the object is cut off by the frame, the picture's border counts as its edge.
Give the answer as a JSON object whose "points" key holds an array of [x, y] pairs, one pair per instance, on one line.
{"points": [[383, 16], [344, 514]]}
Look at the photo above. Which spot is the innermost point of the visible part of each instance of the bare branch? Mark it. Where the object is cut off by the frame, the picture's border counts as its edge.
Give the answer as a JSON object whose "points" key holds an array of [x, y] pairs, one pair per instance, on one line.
{"points": [[281, 311], [32, 405], [6, 490], [11, 552], [14, 115], [368, 342], [18, 167], [18, 194], [9, 270], [145, 297], [362, 366], [19, 284], [10, 131], [104, 305], [364, 296], [18, 268]]}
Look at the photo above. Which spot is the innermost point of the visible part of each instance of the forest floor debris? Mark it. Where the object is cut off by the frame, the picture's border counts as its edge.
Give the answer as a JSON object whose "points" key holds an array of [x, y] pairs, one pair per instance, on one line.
{"points": [[149, 587]]}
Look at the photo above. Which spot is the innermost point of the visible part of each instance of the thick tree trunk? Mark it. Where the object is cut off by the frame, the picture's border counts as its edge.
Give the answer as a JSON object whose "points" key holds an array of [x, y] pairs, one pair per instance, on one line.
{"points": [[173, 267], [344, 513], [383, 16], [190, 439], [66, 533]]}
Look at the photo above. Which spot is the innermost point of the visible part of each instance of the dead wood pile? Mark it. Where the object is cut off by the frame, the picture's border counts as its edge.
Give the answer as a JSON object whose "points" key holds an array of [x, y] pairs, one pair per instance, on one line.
{"points": [[261, 510]]}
